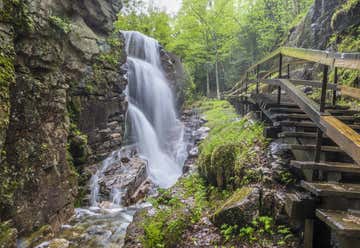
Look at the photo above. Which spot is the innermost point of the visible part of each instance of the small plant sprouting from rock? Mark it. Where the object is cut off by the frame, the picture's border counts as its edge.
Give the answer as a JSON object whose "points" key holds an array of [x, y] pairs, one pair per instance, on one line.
{"points": [[61, 23]]}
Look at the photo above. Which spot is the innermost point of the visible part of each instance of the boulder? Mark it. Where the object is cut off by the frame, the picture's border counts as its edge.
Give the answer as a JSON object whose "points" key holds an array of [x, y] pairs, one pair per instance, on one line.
{"points": [[59, 243], [125, 179], [239, 209]]}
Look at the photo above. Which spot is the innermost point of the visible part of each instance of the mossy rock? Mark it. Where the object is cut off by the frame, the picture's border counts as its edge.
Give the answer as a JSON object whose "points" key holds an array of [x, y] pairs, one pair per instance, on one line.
{"points": [[41, 235], [222, 164], [239, 209], [8, 236]]}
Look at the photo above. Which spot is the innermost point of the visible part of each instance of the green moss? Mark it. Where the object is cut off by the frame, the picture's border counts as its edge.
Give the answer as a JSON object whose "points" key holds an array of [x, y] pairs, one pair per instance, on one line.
{"points": [[237, 196], [7, 77], [16, 13], [61, 23], [8, 235], [42, 234], [9, 180], [173, 216], [344, 9], [230, 147]]}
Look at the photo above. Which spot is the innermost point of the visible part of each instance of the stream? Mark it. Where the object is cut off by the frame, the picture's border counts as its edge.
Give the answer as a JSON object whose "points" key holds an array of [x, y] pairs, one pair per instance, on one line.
{"points": [[158, 147]]}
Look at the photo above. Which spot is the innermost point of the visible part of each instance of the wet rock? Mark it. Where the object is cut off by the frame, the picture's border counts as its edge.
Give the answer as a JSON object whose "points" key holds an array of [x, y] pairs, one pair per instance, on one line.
{"points": [[124, 178], [135, 231], [308, 90], [59, 243], [201, 133], [240, 208], [194, 152], [125, 160], [141, 192]]}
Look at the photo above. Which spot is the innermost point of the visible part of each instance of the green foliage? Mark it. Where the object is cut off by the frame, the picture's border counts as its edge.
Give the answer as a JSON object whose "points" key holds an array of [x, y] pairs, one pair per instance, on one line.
{"points": [[152, 22], [286, 178], [261, 231], [61, 23], [8, 235], [230, 145], [173, 216], [348, 41], [344, 9], [16, 12]]}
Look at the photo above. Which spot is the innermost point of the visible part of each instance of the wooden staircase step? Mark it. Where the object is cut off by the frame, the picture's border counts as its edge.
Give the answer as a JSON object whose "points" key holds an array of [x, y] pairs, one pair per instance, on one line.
{"points": [[343, 223], [278, 117], [306, 124], [295, 123], [343, 112], [327, 166], [286, 110], [282, 105], [312, 147], [290, 134], [328, 189]]}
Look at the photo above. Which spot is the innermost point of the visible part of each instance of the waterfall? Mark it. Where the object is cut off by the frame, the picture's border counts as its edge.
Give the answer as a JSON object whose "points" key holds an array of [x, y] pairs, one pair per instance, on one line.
{"points": [[154, 124]]}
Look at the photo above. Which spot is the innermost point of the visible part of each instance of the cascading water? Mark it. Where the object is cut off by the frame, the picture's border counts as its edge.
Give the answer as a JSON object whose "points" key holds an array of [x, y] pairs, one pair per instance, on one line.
{"points": [[156, 135], [154, 125]]}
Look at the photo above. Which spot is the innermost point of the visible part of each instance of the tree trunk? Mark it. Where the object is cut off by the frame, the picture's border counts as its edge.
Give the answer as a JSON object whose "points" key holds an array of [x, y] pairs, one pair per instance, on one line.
{"points": [[207, 83], [217, 77]]}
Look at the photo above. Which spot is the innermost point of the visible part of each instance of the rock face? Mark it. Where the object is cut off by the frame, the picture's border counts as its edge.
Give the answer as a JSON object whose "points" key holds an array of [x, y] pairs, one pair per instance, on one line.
{"points": [[175, 74], [67, 92], [323, 20]]}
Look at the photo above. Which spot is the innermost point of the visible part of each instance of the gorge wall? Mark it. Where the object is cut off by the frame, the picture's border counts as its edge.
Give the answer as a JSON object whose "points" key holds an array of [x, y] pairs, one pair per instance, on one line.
{"points": [[62, 103], [326, 24]]}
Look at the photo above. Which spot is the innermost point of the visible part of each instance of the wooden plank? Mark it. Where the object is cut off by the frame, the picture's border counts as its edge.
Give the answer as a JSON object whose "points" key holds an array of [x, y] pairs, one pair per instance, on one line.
{"points": [[315, 84], [306, 124], [350, 92], [291, 134], [343, 223], [341, 60], [343, 135], [312, 147], [327, 166], [327, 189]]}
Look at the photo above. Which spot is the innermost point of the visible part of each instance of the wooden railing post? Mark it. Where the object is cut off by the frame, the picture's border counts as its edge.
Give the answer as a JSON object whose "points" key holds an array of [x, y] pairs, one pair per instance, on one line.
{"points": [[324, 88], [246, 82], [288, 71], [319, 137], [257, 78], [334, 99], [280, 76]]}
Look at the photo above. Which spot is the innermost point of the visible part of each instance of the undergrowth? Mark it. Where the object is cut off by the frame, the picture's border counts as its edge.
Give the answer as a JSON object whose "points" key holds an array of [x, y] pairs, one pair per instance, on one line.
{"points": [[232, 145], [174, 214]]}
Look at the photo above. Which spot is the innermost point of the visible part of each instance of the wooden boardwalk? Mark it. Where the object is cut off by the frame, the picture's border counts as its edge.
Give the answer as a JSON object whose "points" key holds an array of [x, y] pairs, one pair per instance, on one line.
{"points": [[324, 138]]}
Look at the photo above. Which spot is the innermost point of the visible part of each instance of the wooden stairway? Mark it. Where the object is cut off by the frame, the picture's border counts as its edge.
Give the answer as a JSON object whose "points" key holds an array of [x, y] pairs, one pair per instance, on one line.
{"points": [[334, 184], [327, 134]]}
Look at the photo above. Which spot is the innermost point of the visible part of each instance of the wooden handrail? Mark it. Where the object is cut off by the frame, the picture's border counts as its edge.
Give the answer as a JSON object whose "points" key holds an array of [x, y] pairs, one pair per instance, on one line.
{"points": [[332, 59], [344, 136]]}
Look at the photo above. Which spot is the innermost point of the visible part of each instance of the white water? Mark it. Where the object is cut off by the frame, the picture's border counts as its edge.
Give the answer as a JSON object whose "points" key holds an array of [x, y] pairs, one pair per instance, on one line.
{"points": [[154, 125]]}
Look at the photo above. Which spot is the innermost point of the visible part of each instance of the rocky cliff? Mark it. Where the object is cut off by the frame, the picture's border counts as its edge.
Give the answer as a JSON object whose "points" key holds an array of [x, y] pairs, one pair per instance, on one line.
{"points": [[61, 103], [325, 23]]}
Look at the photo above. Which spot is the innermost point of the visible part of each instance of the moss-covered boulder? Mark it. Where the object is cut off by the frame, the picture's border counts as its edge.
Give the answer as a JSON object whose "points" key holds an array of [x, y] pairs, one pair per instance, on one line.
{"points": [[239, 209], [222, 164], [8, 236]]}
